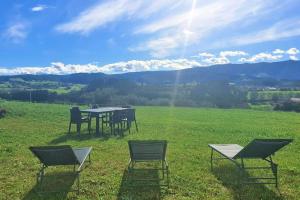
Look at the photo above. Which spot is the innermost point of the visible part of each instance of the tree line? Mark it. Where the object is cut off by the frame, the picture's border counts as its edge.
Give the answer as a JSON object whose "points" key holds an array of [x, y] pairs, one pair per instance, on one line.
{"points": [[112, 91]]}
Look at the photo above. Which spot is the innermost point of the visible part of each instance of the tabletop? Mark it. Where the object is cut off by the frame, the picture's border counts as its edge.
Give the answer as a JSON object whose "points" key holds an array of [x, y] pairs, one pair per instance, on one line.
{"points": [[102, 109]]}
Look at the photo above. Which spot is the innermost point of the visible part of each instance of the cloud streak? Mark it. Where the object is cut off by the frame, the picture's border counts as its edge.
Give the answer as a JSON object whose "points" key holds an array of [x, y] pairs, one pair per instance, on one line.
{"points": [[119, 67], [98, 16], [203, 59], [167, 28], [39, 8], [279, 30], [16, 32]]}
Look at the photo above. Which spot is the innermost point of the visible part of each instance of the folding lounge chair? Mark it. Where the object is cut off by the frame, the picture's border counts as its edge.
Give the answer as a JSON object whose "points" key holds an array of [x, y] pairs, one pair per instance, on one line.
{"points": [[60, 155], [149, 151], [257, 149]]}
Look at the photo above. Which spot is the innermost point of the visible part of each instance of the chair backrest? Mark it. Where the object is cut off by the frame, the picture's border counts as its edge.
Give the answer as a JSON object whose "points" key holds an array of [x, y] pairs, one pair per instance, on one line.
{"points": [[144, 150], [262, 148], [75, 115], [130, 114], [55, 155], [117, 116], [126, 106], [94, 106]]}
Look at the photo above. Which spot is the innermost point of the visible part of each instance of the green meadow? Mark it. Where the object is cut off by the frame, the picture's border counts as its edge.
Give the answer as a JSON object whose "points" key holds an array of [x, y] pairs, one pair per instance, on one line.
{"points": [[188, 131]]}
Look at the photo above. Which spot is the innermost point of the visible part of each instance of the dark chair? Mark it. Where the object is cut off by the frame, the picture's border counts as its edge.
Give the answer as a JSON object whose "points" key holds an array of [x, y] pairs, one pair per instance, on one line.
{"points": [[60, 155], [77, 118], [129, 117], [95, 115], [116, 119], [257, 149], [149, 151]]}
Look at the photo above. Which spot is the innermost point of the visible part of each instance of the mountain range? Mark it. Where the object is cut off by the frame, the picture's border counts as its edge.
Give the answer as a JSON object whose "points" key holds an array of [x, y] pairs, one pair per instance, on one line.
{"points": [[237, 73]]}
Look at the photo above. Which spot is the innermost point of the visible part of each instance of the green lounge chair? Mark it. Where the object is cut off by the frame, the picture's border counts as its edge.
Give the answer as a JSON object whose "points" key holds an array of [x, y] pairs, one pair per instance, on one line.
{"points": [[60, 155], [257, 149], [149, 151]]}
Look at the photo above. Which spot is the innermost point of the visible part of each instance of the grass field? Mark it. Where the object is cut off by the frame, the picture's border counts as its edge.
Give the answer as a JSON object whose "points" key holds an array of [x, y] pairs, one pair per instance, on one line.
{"points": [[188, 131]]}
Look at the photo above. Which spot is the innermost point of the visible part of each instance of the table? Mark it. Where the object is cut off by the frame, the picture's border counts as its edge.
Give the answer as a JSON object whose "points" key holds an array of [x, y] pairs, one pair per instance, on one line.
{"points": [[101, 110]]}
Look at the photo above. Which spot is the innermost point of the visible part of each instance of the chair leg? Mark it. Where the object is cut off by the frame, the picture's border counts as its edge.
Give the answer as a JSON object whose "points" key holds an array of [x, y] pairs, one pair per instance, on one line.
{"points": [[78, 183], [211, 159], [69, 127], [128, 126], [136, 127], [89, 126], [274, 171], [168, 178], [111, 129], [102, 128], [78, 128]]}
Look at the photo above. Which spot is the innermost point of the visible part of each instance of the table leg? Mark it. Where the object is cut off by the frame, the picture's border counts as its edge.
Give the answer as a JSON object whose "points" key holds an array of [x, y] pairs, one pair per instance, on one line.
{"points": [[97, 125]]}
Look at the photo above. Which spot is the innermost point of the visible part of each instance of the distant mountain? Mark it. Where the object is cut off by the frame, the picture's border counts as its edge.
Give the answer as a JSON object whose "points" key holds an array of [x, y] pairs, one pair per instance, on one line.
{"points": [[238, 73]]}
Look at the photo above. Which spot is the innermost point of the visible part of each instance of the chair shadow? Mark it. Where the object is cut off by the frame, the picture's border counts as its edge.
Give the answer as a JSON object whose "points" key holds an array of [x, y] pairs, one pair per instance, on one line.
{"points": [[55, 186], [86, 136], [229, 176], [137, 189]]}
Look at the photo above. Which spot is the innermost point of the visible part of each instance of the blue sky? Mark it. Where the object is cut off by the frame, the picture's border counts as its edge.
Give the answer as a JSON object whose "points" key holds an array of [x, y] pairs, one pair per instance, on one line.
{"points": [[116, 36]]}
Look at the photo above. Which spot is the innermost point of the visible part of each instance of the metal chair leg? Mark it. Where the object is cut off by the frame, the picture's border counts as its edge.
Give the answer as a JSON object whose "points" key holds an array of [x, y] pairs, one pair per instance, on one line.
{"points": [[70, 127], [211, 159], [136, 127]]}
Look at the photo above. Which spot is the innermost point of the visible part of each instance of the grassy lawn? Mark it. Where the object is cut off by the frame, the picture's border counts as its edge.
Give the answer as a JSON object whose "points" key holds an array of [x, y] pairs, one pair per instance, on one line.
{"points": [[188, 131]]}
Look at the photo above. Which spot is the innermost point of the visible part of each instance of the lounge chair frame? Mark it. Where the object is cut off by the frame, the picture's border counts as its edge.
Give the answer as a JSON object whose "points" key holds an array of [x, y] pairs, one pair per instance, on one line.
{"points": [[248, 152], [74, 160], [147, 156]]}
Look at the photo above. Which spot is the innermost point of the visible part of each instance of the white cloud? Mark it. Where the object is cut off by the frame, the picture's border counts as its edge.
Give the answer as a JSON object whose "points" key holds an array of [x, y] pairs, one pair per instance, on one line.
{"points": [[99, 15], [223, 58], [278, 51], [280, 30], [202, 59], [173, 25], [38, 8], [205, 54], [292, 51], [215, 60], [201, 20], [293, 57], [232, 53], [119, 67], [158, 48], [261, 57], [149, 65], [17, 32]]}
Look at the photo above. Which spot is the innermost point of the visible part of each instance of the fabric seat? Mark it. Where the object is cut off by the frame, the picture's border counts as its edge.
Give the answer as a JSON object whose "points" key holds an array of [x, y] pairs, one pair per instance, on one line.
{"points": [[149, 151], [61, 155], [228, 150], [256, 149]]}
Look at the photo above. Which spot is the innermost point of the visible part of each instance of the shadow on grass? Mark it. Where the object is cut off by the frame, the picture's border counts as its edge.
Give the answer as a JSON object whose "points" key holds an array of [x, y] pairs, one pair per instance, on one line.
{"points": [[85, 136], [54, 186], [229, 175], [131, 188]]}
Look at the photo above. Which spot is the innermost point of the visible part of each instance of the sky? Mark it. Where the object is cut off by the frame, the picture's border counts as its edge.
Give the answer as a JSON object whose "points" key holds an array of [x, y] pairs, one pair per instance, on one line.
{"points": [[118, 36]]}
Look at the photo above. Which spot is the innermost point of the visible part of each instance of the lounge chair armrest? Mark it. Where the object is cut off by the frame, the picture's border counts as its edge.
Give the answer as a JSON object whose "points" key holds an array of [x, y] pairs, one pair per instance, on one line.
{"points": [[85, 156], [166, 163]]}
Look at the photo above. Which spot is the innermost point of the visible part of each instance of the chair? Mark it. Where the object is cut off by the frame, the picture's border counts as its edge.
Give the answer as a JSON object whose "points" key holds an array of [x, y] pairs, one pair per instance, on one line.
{"points": [[95, 115], [77, 118], [257, 149], [149, 151], [116, 118], [129, 117], [60, 155]]}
